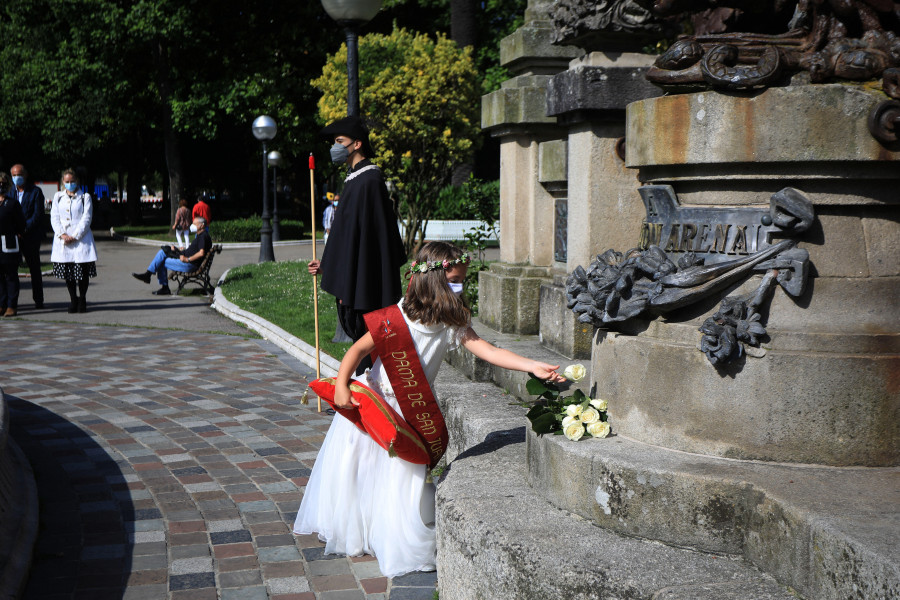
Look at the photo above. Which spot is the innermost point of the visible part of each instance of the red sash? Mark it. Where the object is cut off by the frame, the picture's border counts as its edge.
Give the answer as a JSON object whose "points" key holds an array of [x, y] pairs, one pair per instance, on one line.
{"points": [[394, 344]]}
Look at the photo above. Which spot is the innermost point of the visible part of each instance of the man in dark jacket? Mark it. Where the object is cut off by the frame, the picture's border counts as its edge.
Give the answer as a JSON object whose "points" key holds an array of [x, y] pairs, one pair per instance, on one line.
{"points": [[361, 263], [31, 198]]}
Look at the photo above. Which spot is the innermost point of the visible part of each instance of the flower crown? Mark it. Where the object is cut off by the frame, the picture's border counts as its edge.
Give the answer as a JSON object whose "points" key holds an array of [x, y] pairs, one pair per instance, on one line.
{"points": [[425, 266]]}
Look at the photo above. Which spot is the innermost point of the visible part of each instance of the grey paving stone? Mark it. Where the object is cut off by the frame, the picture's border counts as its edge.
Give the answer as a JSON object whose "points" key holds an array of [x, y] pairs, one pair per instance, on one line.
{"points": [[415, 579], [192, 581], [240, 579], [230, 537], [245, 593], [191, 551], [366, 570], [288, 585], [149, 562], [317, 568], [412, 593], [278, 554], [148, 549], [198, 564], [343, 595], [224, 525], [267, 541], [313, 554], [145, 592]]}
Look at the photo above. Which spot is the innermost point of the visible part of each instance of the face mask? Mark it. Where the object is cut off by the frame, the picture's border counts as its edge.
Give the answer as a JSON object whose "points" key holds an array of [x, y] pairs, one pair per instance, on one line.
{"points": [[456, 288], [335, 203], [193, 228], [18, 180], [71, 187], [339, 153]]}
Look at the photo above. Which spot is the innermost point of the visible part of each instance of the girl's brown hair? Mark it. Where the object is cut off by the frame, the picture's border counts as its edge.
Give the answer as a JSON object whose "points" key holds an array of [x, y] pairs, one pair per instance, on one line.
{"points": [[182, 203], [429, 299]]}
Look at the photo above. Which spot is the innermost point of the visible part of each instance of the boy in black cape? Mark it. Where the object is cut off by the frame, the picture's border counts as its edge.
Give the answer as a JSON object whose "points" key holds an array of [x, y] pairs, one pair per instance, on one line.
{"points": [[361, 263]]}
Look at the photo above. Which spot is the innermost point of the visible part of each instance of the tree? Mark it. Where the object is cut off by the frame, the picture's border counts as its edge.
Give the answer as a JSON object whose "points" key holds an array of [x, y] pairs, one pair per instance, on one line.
{"points": [[421, 98]]}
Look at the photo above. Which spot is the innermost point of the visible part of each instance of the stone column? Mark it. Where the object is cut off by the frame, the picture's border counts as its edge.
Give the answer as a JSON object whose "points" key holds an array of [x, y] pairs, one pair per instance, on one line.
{"points": [[509, 291], [823, 388], [603, 205]]}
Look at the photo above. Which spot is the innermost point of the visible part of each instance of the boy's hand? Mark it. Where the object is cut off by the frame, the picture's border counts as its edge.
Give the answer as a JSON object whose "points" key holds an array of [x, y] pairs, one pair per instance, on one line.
{"points": [[547, 372], [314, 268]]}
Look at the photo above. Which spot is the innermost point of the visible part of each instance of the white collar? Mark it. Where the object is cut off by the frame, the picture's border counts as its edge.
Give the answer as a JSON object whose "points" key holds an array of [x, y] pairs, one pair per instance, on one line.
{"points": [[363, 170]]}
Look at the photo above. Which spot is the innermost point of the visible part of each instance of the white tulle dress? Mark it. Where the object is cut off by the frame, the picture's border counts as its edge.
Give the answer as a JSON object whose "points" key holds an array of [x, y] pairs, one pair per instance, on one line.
{"points": [[360, 500]]}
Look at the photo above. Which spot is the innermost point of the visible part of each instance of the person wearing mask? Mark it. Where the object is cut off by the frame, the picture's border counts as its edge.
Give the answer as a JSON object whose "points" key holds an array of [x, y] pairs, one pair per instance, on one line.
{"points": [[361, 263], [12, 227], [328, 215], [74, 254], [31, 199], [184, 261]]}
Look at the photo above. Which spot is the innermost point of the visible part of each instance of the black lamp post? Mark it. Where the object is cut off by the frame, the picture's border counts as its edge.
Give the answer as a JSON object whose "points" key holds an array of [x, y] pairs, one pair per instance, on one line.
{"points": [[264, 129], [275, 160], [351, 15]]}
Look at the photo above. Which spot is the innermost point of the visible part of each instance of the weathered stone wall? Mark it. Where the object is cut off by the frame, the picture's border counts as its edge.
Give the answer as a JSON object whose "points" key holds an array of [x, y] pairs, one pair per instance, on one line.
{"points": [[825, 388]]}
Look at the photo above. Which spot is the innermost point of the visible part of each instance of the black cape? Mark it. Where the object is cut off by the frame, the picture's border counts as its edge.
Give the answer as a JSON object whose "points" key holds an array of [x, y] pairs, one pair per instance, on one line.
{"points": [[361, 262]]}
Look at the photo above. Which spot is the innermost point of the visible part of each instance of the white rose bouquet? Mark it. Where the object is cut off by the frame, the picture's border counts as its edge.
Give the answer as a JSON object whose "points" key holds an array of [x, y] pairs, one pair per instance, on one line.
{"points": [[572, 416]]}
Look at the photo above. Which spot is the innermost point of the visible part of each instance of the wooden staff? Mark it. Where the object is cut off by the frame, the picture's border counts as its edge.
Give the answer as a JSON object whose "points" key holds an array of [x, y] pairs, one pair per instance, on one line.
{"points": [[312, 210]]}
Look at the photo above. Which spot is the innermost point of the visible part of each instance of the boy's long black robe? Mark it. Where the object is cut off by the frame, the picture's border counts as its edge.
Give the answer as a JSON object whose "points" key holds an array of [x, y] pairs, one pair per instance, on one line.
{"points": [[361, 262]]}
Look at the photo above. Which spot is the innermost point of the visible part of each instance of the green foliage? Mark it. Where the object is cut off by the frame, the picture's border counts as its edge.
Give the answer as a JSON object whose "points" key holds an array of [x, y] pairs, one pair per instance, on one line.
{"points": [[475, 199], [422, 97], [247, 230], [235, 230]]}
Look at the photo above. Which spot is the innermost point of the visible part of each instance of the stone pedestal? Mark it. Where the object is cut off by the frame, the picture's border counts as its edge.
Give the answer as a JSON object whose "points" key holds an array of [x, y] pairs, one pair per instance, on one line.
{"points": [[823, 389]]}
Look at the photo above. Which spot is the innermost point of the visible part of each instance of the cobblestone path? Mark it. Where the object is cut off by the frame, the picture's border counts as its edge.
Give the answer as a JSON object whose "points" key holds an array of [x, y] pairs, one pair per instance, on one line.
{"points": [[171, 465]]}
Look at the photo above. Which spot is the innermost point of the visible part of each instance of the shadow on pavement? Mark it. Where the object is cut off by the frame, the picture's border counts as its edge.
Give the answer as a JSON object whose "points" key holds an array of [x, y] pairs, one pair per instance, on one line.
{"points": [[87, 519]]}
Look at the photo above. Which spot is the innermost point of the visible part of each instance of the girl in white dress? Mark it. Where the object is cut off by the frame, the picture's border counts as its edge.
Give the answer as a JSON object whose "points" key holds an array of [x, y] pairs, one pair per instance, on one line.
{"points": [[359, 499]]}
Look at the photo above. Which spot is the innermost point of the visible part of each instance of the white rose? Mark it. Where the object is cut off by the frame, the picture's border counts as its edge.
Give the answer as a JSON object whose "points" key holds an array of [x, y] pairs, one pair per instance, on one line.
{"points": [[599, 404], [600, 429], [574, 431], [573, 410], [574, 372], [589, 416], [568, 421]]}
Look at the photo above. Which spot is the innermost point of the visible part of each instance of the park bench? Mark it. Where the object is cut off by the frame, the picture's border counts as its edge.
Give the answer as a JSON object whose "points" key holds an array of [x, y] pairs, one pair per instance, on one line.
{"points": [[200, 275]]}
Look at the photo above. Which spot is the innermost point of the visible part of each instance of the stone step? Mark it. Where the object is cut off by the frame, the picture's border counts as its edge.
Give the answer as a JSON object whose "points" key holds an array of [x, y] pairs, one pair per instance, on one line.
{"points": [[497, 538], [828, 532]]}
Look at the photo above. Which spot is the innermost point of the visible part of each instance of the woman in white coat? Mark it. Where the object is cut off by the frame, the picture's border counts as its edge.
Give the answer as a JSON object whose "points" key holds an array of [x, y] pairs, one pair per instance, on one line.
{"points": [[74, 253]]}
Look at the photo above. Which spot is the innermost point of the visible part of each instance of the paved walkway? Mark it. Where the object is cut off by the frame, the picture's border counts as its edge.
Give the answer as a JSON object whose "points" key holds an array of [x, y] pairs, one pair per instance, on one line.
{"points": [[170, 464]]}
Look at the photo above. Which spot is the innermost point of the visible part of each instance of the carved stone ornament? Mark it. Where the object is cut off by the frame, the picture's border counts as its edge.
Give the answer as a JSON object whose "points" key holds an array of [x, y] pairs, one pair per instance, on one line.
{"points": [[593, 24], [830, 39], [687, 254]]}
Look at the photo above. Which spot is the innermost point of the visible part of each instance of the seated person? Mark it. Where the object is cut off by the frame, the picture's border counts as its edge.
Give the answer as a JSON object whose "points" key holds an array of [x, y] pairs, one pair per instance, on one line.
{"points": [[187, 260]]}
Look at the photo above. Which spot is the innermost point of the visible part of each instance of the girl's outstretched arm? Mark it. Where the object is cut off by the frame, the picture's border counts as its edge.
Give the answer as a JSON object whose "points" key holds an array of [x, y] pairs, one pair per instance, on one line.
{"points": [[362, 348], [506, 359]]}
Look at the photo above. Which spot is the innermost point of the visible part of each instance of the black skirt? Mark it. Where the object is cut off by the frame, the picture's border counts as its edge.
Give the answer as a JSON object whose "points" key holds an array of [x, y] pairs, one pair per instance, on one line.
{"points": [[72, 271]]}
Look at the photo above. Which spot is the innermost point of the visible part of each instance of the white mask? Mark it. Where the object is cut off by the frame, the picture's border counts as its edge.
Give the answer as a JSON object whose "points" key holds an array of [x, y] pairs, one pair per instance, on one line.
{"points": [[456, 288], [193, 228]]}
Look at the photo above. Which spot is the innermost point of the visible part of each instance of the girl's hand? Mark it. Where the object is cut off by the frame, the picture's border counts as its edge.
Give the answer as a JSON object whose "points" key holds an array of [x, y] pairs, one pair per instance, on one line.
{"points": [[343, 398], [547, 372]]}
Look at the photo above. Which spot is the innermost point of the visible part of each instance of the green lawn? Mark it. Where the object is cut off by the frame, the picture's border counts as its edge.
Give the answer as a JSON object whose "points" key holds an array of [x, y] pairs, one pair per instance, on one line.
{"points": [[45, 266], [282, 293]]}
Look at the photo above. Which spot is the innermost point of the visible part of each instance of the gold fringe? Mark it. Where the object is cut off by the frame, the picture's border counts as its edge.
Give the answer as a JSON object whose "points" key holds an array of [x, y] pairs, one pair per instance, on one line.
{"points": [[391, 452], [305, 398]]}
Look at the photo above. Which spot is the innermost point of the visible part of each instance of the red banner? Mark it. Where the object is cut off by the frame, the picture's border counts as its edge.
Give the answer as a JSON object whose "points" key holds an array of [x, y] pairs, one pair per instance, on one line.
{"points": [[394, 344]]}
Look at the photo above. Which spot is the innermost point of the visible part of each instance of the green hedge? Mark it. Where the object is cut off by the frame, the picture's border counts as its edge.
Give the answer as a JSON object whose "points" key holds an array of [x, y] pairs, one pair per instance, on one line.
{"points": [[247, 230]]}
